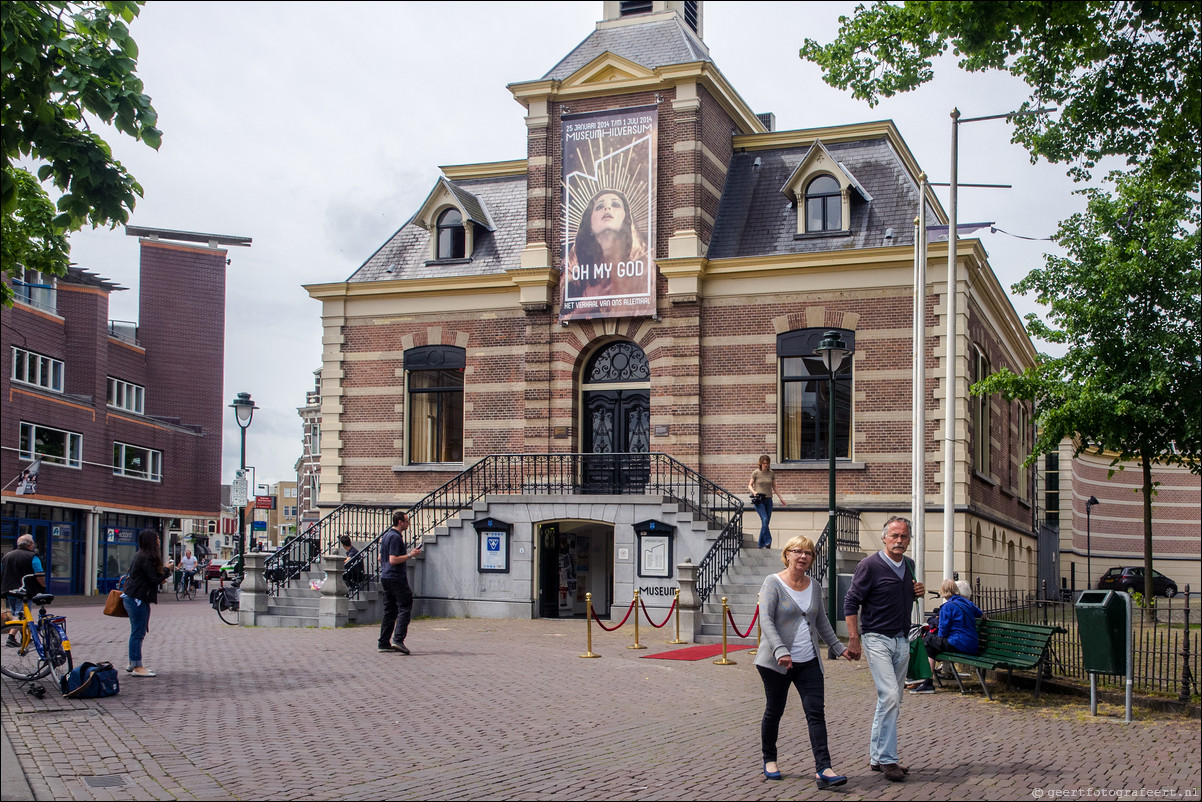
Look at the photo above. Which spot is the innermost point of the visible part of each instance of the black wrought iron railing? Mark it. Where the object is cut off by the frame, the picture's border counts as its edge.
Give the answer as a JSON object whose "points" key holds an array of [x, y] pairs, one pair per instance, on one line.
{"points": [[553, 474], [359, 522], [847, 538]]}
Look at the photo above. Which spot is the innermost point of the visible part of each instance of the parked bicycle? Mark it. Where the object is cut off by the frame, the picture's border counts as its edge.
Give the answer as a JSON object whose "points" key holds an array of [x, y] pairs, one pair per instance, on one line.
{"points": [[38, 646], [225, 600]]}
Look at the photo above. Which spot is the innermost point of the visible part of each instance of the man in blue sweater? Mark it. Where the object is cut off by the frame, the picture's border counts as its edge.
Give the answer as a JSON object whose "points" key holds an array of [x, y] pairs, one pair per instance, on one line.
{"points": [[878, 604]]}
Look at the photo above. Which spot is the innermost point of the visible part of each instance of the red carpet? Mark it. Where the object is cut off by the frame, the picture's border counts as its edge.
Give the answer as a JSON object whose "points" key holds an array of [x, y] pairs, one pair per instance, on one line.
{"points": [[701, 652]]}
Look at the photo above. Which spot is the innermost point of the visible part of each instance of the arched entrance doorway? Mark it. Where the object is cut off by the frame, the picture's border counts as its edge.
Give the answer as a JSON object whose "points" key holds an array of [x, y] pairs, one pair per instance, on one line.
{"points": [[616, 411]]}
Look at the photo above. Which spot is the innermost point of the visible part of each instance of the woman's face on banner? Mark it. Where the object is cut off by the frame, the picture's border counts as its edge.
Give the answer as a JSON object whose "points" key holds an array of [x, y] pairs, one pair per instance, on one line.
{"points": [[608, 213]]}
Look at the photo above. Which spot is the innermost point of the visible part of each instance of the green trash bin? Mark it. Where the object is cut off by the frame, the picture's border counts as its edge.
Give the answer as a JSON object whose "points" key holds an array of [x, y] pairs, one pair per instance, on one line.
{"points": [[1102, 627]]}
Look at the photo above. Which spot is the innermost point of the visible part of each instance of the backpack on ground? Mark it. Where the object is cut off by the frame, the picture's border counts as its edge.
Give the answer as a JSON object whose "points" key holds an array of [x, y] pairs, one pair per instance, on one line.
{"points": [[90, 681]]}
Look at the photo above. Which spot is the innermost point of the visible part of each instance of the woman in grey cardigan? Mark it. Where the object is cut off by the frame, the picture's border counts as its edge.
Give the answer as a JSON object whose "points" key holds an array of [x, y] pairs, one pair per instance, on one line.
{"points": [[792, 619]]}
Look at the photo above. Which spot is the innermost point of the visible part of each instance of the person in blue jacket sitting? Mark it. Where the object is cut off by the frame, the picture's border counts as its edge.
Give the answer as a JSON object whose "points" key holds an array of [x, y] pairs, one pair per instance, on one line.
{"points": [[957, 629]]}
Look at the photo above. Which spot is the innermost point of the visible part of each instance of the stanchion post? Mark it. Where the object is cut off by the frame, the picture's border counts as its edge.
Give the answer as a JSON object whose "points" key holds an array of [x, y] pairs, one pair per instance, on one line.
{"points": [[725, 614], [758, 634], [588, 614], [636, 644], [677, 607]]}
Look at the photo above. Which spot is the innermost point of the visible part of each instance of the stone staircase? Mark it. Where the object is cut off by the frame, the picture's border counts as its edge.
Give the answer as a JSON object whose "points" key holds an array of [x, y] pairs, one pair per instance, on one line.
{"points": [[297, 605], [741, 585]]}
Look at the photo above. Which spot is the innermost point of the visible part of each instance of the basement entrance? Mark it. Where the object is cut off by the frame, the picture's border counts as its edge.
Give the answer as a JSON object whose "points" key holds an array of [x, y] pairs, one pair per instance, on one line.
{"points": [[574, 558]]}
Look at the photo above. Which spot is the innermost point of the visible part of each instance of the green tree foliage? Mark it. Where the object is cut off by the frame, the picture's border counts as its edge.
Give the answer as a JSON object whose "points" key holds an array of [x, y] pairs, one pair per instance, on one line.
{"points": [[1124, 74], [66, 63], [1126, 302]]}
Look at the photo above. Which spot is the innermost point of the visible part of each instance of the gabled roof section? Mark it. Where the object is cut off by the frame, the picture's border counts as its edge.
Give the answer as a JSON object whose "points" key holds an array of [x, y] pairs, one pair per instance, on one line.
{"points": [[446, 191], [497, 248], [651, 42], [607, 68], [819, 158]]}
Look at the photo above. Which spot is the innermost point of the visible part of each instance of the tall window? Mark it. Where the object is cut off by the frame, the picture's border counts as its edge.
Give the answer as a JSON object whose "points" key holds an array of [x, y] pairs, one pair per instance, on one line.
{"points": [[981, 416], [54, 446], [435, 379], [128, 396], [137, 462], [806, 399], [38, 370], [452, 239], [824, 205]]}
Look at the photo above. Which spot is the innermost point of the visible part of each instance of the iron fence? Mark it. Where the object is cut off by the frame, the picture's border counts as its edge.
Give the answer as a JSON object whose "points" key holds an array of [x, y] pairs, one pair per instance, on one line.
{"points": [[1164, 642]]}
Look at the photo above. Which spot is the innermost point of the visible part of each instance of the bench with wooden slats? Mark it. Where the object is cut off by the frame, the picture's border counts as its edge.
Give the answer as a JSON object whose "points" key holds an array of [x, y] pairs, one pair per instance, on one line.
{"points": [[1008, 645]]}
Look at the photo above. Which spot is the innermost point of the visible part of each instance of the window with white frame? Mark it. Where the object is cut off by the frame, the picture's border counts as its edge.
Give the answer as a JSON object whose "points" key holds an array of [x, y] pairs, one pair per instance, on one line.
{"points": [[40, 371], [37, 290], [54, 446], [127, 395], [136, 462]]}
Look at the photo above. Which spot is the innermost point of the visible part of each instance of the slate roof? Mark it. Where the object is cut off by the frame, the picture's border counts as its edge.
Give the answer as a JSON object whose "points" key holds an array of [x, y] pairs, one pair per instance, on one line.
{"points": [[754, 219], [650, 44], [407, 253]]}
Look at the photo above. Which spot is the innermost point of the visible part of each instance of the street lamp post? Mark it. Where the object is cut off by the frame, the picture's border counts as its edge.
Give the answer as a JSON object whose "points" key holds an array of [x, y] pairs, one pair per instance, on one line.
{"points": [[244, 411], [833, 351], [1089, 505]]}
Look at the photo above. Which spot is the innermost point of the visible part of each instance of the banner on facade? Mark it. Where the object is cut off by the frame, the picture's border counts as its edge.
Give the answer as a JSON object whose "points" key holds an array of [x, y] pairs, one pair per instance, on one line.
{"points": [[27, 482], [609, 204]]}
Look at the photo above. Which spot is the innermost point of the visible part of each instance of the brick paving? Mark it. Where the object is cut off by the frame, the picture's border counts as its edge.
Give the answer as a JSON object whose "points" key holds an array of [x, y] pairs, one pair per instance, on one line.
{"points": [[505, 709]]}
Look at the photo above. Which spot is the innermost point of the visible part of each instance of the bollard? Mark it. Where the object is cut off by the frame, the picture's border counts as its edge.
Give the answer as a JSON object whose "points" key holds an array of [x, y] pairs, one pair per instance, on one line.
{"points": [[676, 604], [758, 632], [724, 661], [588, 614], [636, 644]]}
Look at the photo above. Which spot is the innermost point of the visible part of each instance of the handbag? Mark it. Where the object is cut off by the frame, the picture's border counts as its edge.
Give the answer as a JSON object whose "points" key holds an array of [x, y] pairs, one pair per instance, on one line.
{"points": [[90, 681], [114, 606], [920, 666]]}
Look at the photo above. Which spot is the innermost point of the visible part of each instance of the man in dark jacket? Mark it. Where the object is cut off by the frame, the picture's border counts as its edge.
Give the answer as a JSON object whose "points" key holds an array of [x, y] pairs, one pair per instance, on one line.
{"points": [[878, 603], [18, 564]]}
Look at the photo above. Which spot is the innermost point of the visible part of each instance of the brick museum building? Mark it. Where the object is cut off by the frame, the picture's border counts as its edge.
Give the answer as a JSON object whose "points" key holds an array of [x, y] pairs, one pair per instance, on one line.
{"points": [[553, 348]]}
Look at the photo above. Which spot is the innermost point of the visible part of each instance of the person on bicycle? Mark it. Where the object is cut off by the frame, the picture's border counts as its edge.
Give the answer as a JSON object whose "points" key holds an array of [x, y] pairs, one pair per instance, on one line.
{"points": [[15, 570], [188, 565]]}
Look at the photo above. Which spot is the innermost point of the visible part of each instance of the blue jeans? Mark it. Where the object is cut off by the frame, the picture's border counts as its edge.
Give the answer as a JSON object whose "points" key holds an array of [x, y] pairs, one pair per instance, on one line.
{"points": [[764, 508], [887, 660], [139, 623], [807, 678]]}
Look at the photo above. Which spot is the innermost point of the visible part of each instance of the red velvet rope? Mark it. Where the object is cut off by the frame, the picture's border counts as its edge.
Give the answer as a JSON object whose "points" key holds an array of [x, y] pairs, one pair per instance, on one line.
{"points": [[666, 620], [750, 626], [611, 629]]}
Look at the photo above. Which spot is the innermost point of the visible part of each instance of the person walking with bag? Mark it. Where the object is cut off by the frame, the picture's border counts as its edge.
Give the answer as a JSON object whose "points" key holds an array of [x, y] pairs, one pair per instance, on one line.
{"points": [[882, 593], [762, 487], [398, 597], [146, 573], [792, 618]]}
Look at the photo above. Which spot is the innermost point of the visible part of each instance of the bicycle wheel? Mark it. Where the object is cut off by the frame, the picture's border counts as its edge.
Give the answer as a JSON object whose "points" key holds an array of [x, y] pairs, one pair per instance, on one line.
{"points": [[22, 663], [180, 592], [227, 613], [55, 653]]}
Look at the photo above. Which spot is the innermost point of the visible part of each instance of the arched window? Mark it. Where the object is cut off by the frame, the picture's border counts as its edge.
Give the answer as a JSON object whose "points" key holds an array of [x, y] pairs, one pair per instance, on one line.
{"points": [[824, 205], [452, 239]]}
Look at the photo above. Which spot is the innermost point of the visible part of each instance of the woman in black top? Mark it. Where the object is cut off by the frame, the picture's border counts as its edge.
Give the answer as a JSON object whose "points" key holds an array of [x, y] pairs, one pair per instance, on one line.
{"points": [[141, 590]]}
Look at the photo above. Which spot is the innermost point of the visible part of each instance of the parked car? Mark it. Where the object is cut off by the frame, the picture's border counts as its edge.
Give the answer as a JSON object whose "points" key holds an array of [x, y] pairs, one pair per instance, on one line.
{"points": [[1131, 577], [213, 569]]}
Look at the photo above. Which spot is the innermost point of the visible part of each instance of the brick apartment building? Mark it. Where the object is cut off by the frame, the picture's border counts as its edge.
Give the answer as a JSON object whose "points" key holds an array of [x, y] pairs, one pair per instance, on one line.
{"points": [[123, 419], [474, 330]]}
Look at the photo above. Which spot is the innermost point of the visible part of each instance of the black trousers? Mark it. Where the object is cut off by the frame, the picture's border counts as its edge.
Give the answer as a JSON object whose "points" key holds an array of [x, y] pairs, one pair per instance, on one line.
{"points": [[807, 678], [398, 609]]}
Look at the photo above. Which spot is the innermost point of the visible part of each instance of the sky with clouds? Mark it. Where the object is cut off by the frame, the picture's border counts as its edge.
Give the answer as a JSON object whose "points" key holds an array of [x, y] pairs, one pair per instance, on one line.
{"points": [[318, 129]]}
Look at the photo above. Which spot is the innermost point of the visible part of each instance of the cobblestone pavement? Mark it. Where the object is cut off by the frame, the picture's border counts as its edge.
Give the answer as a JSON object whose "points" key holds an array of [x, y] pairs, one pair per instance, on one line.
{"points": [[506, 709]]}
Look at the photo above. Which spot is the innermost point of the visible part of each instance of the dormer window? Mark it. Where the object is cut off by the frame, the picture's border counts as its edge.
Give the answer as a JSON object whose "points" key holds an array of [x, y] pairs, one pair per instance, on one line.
{"points": [[452, 238], [823, 205]]}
